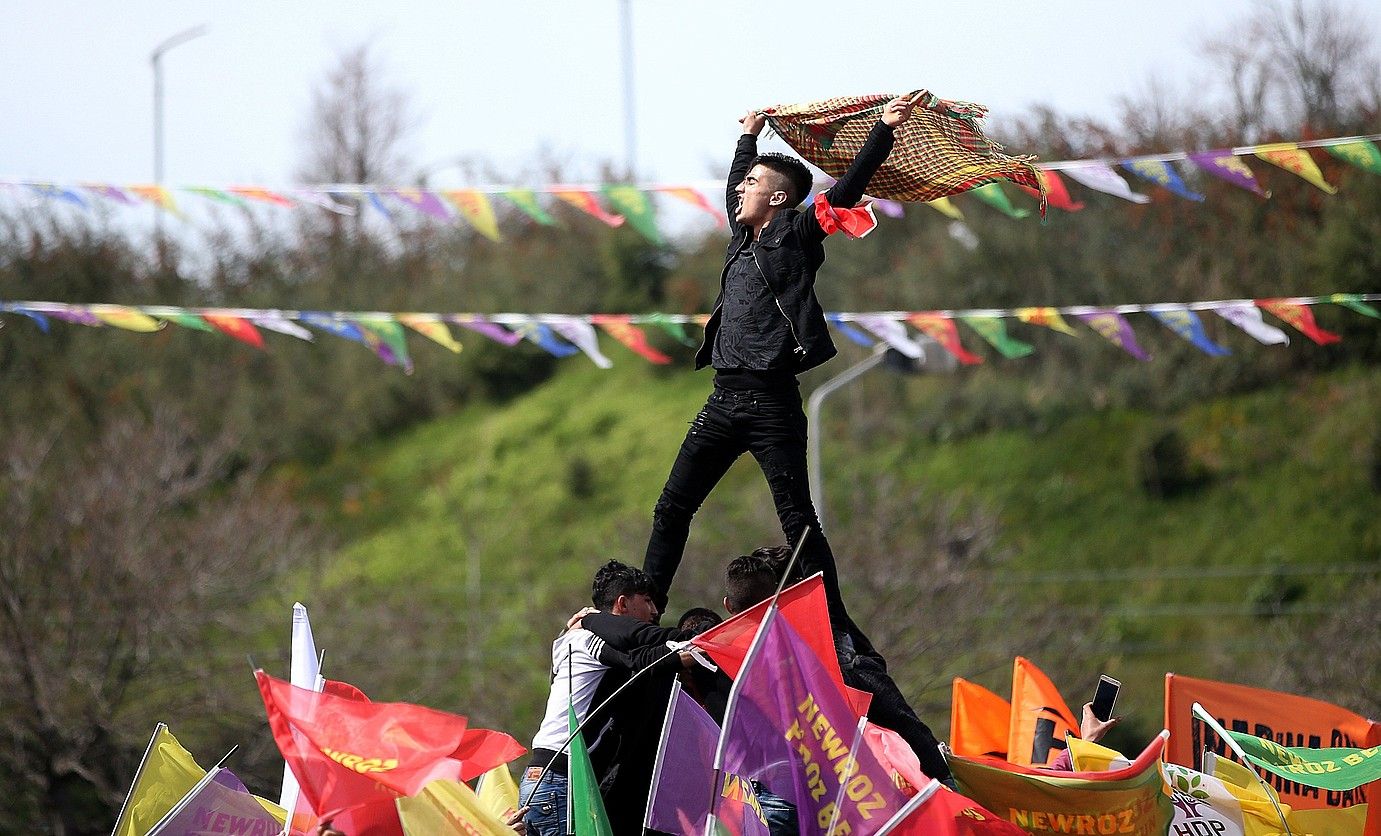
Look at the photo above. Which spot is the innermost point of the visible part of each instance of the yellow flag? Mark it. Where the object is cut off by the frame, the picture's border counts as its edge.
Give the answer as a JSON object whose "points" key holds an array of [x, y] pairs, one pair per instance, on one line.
{"points": [[945, 207], [1345, 821], [498, 792], [1295, 160], [127, 318], [1085, 756], [431, 327], [167, 773], [474, 206], [1049, 317], [1259, 814], [158, 196], [446, 807]]}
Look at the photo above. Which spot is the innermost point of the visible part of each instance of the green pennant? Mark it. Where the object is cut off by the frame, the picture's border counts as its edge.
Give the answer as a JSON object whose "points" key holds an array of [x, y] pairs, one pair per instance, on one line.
{"points": [[587, 807], [1362, 154], [390, 334], [188, 320], [992, 329], [1354, 302], [993, 195], [634, 204], [526, 200], [1334, 769], [216, 195], [676, 329]]}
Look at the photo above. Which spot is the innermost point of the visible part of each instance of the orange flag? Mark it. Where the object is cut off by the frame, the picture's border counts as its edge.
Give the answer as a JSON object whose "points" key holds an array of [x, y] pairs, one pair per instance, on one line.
{"points": [[236, 327], [474, 207], [979, 720], [156, 195], [694, 198], [942, 330], [621, 329], [1300, 317], [1040, 719], [584, 200]]}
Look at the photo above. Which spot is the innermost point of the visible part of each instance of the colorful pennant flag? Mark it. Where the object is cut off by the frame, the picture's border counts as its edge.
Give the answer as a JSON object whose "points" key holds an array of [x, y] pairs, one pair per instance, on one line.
{"points": [[157, 195], [1228, 166], [187, 319], [1297, 161], [993, 195], [1300, 317], [55, 192], [446, 807], [854, 335], [236, 327], [474, 206], [994, 330], [109, 192], [1054, 190], [1046, 317], [432, 327], [216, 194], [980, 722], [636, 207], [281, 325], [1102, 178], [423, 201], [587, 806], [1160, 173], [1248, 317], [942, 330], [1040, 719], [492, 330], [695, 198], [1362, 154], [1114, 327], [672, 327], [583, 336], [127, 318], [39, 319], [76, 315], [385, 337], [622, 329], [1353, 301], [946, 207], [526, 200], [584, 200], [541, 335], [343, 328], [1186, 323], [891, 332], [261, 195], [890, 208]]}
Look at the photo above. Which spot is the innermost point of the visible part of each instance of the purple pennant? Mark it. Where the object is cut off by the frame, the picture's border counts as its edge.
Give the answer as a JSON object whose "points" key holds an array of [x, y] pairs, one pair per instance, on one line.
{"points": [[220, 805], [423, 201], [789, 727], [890, 208], [492, 330], [77, 316], [1227, 166], [1115, 328], [109, 192]]}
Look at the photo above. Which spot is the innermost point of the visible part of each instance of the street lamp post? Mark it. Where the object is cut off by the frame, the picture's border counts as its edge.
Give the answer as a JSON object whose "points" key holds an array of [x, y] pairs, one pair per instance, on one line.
{"points": [[932, 357], [629, 130], [156, 58]]}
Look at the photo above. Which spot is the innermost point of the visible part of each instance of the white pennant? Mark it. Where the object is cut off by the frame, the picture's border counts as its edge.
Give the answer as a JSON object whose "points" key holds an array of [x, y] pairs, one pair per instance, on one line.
{"points": [[891, 332], [1102, 178], [582, 334], [272, 322], [1248, 317]]}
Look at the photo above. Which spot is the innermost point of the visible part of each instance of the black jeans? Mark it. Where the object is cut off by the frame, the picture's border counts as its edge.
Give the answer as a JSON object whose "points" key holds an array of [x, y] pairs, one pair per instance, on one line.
{"points": [[771, 425]]}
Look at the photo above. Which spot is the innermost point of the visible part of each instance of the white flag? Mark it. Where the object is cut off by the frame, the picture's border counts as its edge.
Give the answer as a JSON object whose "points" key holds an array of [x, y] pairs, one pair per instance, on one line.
{"points": [[305, 672], [1247, 316], [1102, 178], [274, 322], [891, 332], [582, 334]]}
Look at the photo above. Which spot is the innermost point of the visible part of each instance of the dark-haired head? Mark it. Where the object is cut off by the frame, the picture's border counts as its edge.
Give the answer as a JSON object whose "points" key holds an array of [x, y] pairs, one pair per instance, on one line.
{"points": [[747, 580], [697, 620], [795, 179], [624, 590]]}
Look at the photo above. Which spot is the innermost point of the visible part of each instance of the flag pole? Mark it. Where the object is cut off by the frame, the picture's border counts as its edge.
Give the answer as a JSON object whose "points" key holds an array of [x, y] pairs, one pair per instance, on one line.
{"points": [[1209, 720], [124, 807], [570, 702], [847, 774]]}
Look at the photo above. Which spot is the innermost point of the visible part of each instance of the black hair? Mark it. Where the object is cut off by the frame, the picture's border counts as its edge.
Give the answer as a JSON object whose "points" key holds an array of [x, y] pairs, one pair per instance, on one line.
{"points": [[697, 620], [778, 557], [798, 177], [747, 580], [614, 579]]}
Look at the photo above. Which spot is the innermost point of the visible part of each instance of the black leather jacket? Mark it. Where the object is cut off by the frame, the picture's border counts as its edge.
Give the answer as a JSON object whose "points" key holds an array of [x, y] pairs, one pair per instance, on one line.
{"points": [[791, 249]]}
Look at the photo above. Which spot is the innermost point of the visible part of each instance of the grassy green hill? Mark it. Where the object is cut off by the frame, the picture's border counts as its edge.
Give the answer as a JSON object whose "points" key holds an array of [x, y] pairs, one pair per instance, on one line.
{"points": [[465, 543]]}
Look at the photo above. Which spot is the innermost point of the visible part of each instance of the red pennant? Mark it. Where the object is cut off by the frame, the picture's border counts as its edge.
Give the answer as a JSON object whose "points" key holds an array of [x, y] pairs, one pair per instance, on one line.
{"points": [[236, 327], [481, 750], [856, 222], [947, 813], [622, 329], [584, 200], [942, 330], [1301, 317], [1056, 193]]}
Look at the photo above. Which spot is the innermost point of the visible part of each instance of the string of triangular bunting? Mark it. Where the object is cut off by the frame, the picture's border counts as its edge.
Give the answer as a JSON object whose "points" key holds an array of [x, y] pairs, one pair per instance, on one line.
{"points": [[563, 335], [614, 204]]}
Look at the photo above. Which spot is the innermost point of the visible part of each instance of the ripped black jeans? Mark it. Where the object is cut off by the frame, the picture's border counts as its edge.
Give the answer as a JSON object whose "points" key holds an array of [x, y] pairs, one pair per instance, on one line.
{"points": [[771, 425]]}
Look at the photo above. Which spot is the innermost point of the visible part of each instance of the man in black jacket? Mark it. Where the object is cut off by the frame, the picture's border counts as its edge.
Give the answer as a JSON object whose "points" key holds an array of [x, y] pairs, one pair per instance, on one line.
{"points": [[766, 328]]}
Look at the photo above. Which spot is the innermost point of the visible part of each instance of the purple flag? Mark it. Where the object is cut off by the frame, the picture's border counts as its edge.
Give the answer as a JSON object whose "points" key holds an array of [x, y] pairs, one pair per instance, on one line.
{"points": [[423, 201], [683, 779], [220, 805], [76, 315], [890, 208], [480, 325], [1229, 167], [788, 726], [1116, 329], [109, 192]]}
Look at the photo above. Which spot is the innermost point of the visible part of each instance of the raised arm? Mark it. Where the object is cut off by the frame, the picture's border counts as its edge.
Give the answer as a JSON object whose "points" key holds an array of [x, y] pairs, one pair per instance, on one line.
{"points": [[744, 152], [849, 189]]}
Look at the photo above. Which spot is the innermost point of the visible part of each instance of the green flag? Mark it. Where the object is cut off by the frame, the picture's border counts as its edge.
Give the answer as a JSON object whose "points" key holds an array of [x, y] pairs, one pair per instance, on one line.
{"points": [[385, 336], [994, 331], [1362, 154], [1328, 769], [993, 195], [589, 818], [634, 204], [188, 320], [526, 200], [672, 327], [1354, 302]]}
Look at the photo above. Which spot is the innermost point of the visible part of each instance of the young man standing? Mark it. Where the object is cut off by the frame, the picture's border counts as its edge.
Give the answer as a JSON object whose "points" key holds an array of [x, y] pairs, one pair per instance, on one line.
{"points": [[767, 327]]}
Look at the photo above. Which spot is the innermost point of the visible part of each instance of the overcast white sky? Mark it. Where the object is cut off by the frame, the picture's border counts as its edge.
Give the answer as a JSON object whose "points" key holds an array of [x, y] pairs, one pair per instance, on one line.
{"points": [[506, 81]]}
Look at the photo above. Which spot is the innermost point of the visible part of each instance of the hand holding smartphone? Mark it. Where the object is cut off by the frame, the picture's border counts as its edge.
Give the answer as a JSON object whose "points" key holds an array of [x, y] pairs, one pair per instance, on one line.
{"points": [[1105, 698]]}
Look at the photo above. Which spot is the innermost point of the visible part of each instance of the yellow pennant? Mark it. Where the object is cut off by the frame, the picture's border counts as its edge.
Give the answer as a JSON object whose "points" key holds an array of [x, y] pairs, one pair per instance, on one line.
{"points": [[474, 206], [127, 318], [158, 196], [1048, 317], [945, 207], [1297, 161], [431, 327]]}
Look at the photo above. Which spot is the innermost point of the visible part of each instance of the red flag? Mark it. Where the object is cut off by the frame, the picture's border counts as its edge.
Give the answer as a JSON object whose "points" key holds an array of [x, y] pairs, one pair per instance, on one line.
{"points": [[1056, 194], [947, 813], [236, 327], [1040, 717], [1301, 317], [694, 198], [942, 330], [621, 329], [584, 200], [856, 222], [344, 690], [346, 753], [979, 720], [481, 750]]}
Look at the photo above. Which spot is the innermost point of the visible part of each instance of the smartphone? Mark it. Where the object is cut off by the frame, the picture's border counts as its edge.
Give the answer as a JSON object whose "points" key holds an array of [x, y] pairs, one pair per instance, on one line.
{"points": [[1105, 697]]}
